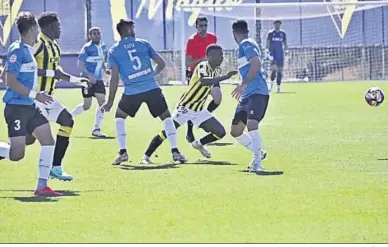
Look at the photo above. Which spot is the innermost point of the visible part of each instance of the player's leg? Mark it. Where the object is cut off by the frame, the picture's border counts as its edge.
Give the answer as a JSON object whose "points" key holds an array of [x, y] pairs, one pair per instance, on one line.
{"points": [[279, 74], [59, 114], [257, 109], [216, 132], [39, 127], [128, 106], [273, 73], [154, 145], [100, 97], [87, 95], [238, 126], [190, 135], [157, 106], [17, 118]]}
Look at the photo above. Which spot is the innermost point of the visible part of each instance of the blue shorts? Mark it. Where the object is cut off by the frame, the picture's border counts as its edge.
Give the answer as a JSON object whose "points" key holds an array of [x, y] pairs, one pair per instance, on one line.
{"points": [[253, 107], [278, 61]]}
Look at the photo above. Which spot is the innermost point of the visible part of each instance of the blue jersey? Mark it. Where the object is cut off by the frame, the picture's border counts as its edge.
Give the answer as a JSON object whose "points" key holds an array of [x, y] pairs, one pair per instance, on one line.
{"points": [[248, 48], [93, 57], [132, 57], [276, 40], [20, 60]]}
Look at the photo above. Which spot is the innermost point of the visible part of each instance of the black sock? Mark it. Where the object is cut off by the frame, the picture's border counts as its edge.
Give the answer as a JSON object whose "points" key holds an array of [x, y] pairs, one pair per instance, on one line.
{"points": [[190, 128], [212, 106], [155, 143], [208, 139], [279, 78], [60, 149], [122, 151], [273, 75]]}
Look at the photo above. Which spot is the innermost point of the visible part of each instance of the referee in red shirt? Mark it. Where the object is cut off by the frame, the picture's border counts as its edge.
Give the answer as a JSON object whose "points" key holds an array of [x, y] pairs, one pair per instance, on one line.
{"points": [[196, 53]]}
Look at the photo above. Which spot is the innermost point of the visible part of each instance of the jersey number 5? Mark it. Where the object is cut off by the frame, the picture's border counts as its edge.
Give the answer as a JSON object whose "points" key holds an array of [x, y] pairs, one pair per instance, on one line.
{"points": [[135, 59]]}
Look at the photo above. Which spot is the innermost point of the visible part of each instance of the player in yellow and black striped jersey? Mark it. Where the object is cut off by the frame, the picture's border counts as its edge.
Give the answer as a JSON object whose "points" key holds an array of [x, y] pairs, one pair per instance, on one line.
{"points": [[190, 106], [47, 54]]}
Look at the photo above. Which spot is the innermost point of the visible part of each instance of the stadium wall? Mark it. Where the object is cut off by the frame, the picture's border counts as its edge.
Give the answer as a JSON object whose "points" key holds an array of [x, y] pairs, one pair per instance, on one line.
{"points": [[307, 38]]}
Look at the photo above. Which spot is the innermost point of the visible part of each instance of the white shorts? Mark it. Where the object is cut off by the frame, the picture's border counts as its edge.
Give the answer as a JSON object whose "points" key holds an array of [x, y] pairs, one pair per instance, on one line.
{"points": [[181, 115], [52, 111]]}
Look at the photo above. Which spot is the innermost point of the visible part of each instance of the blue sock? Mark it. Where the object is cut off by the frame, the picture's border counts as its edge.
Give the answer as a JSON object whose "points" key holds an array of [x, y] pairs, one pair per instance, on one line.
{"points": [[42, 183]]}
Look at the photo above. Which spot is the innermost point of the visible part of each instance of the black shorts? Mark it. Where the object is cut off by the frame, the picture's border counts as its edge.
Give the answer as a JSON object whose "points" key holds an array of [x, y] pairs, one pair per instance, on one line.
{"points": [[154, 99], [23, 119], [253, 107], [98, 87]]}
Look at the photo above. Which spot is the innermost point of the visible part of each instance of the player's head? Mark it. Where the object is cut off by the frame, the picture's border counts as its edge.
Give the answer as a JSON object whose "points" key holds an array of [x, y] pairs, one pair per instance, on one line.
{"points": [[126, 28], [277, 24], [50, 25], [201, 25], [95, 34], [240, 30], [27, 26], [214, 55]]}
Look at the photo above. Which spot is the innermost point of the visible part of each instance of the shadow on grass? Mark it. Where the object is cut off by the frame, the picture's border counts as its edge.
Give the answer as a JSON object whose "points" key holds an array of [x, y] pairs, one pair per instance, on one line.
{"points": [[220, 144], [211, 163], [33, 198], [148, 167], [95, 138], [265, 173]]}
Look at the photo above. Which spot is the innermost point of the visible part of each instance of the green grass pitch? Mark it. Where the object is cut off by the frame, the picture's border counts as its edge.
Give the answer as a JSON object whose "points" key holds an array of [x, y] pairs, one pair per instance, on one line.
{"points": [[331, 146]]}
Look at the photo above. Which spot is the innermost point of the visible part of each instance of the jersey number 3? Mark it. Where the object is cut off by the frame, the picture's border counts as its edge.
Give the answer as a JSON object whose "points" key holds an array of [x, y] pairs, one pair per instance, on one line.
{"points": [[135, 59]]}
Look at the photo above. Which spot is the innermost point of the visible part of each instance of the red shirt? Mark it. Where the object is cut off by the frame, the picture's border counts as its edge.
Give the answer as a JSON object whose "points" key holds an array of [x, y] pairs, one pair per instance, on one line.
{"points": [[196, 46]]}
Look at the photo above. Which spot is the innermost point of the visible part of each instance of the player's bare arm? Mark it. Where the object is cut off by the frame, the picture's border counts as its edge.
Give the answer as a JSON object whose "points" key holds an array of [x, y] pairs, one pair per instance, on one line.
{"points": [[285, 42], [12, 82], [253, 70], [113, 85], [160, 64], [190, 62], [61, 75], [82, 67], [207, 81]]}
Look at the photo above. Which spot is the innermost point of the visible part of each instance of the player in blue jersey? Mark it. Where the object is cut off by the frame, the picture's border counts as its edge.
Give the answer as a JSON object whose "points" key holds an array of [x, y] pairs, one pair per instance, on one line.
{"points": [[21, 114], [131, 59], [276, 47], [91, 62], [252, 94]]}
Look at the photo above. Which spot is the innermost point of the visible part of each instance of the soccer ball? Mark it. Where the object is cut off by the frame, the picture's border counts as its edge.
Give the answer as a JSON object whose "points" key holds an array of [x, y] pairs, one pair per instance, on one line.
{"points": [[374, 96]]}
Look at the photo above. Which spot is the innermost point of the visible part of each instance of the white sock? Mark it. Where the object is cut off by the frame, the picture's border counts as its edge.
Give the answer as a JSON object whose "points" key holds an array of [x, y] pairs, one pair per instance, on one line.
{"points": [[77, 110], [256, 144], [121, 133], [45, 161], [245, 140], [4, 150], [170, 129], [99, 118]]}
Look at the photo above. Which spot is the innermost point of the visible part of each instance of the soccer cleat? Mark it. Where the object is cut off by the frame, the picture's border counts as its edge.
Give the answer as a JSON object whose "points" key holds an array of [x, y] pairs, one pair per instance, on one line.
{"points": [[197, 145], [190, 138], [47, 191], [278, 91], [58, 173], [263, 157], [146, 160], [98, 133], [120, 158], [255, 167], [270, 86], [176, 156]]}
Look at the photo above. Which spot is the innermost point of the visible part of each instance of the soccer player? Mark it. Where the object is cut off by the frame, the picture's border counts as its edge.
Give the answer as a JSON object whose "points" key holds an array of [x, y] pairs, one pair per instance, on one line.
{"points": [[252, 94], [131, 58], [47, 54], [91, 62], [20, 113], [190, 107], [196, 53], [275, 50]]}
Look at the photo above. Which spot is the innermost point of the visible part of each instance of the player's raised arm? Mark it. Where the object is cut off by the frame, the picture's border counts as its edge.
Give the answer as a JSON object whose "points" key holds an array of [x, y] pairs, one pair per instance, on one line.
{"points": [[207, 81], [160, 63], [253, 56], [113, 83], [285, 41]]}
